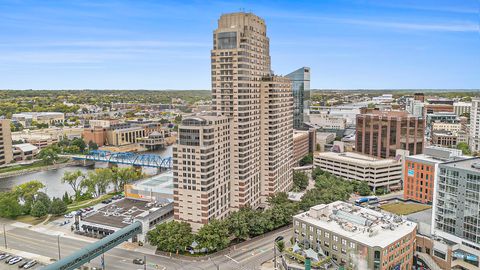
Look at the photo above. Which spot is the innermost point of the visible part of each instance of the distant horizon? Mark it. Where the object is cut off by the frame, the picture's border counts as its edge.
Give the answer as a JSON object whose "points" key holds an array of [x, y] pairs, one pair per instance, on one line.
{"points": [[348, 44], [316, 89]]}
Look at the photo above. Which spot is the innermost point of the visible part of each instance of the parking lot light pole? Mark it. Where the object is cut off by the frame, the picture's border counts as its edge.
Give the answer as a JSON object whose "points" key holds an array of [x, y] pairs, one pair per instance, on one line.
{"points": [[58, 242], [5, 235]]}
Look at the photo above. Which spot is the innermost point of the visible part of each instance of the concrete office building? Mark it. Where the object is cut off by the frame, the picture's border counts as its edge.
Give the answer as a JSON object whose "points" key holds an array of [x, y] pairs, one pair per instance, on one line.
{"points": [[6, 152], [381, 133], [300, 80], [326, 121], [475, 125], [49, 118], [357, 237], [202, 169], [378, 173], [420, 170], [461, 108], [456, 215]]}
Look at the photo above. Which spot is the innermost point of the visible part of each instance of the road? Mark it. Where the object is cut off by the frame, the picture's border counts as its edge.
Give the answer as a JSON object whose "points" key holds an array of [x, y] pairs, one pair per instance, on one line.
{"points": [[246, 257]]}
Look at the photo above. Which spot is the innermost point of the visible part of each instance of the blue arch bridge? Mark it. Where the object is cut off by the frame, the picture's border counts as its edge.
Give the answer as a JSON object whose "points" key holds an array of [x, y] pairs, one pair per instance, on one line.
{"points": [[128, 158]]}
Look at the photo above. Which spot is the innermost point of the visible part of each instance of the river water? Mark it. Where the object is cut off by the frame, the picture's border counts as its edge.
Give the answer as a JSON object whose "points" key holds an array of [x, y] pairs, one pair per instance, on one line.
{"points": [[53, 179]]}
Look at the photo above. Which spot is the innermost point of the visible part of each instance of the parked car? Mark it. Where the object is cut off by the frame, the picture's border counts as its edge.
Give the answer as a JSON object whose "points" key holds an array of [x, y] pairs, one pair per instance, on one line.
{"points": [[138, 261], [68, 216], [30, 264], [3, 256], [7, 258], [15, 260], [22, 264]]}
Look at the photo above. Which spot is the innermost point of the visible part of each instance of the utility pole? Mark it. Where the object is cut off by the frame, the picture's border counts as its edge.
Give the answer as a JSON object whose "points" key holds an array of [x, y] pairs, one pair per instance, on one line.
{"points": [[58, 243], [144, 262], [5, 235], [275, 255]]}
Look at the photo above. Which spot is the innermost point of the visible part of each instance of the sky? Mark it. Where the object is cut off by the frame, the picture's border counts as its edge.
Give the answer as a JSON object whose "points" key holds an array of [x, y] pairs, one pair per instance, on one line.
{"points": [[140, 44]]}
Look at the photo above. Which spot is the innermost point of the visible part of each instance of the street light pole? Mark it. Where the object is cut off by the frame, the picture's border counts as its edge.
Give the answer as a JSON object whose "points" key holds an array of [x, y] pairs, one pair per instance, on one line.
{"points": [[5, 235], [144, 262], [275, 255], [58, 243]]}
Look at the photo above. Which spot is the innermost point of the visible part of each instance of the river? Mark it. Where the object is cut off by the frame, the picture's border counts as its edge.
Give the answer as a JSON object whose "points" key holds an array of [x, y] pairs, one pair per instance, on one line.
{"points": [[53, 179]]}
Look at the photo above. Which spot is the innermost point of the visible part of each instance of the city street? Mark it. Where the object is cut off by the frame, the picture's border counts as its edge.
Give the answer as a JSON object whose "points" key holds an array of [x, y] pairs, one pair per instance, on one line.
{"points": [[249, 256]]}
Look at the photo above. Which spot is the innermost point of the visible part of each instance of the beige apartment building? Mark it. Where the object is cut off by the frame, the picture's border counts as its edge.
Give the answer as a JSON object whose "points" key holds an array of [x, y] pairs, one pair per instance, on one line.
{"points": [[259, 110], [6, 152], [202, 169], [241, 75], [276, 135]]}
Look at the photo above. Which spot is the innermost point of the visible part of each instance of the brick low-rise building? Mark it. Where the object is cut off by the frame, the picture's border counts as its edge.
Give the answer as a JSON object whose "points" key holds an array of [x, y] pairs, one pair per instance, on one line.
{"points": [[381, 133]]}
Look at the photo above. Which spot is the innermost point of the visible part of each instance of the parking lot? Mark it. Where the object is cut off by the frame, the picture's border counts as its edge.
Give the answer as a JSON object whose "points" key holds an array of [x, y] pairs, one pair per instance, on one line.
{"points": [[6, 257]]}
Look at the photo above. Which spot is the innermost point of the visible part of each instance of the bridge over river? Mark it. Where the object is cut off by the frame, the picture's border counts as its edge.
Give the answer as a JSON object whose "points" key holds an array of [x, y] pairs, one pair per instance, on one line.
{"points": [[127, 158]]}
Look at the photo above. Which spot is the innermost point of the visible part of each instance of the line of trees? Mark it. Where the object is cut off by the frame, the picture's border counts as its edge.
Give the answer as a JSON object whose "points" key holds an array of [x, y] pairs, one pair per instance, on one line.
{"points": [[246, 223], [96, 183], [27, 199], [177, 236]]}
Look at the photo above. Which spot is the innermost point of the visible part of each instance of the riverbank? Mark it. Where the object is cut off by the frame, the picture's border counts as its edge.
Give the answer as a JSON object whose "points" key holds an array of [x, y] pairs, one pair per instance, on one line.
{"points": [[37, 168]]}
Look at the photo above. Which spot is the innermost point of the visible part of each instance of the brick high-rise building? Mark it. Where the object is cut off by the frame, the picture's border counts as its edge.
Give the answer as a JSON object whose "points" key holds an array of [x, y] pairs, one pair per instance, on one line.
{"points": [[259, 107], [381, 133], [6, 152]]}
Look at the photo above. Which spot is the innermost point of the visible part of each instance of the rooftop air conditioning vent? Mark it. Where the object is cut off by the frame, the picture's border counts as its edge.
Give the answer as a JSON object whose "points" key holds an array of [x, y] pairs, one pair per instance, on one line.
{"points": [[476, 165]]}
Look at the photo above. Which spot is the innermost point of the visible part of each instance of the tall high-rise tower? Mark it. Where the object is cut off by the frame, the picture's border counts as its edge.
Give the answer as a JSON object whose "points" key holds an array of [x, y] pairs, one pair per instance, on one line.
{"points": [[259, 110], [475, 125], [300, 79], [5, 142], [240, 60]]}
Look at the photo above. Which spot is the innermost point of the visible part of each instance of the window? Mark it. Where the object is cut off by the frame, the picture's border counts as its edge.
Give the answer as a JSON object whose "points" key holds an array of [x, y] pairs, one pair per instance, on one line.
{"points": [[335, 238], [327, 235], [344, 242], [352, 245], [227, 40]]}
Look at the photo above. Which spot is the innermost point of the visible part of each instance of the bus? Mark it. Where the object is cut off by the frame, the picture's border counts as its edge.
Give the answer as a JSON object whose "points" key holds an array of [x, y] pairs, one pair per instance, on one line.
{"points": [[366, 200]]}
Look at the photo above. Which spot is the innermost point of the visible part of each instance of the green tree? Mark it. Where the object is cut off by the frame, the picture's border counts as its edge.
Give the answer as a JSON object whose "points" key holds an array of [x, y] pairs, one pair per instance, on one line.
{"points": [[171, 236], [123, 176], [39, 209], [28, 190], [97, 181], [73, 179], [306, 160], [92, 145], [238, 223], [300, 181], [9, 205], [48, 156], [280, 246], [363, 189], [465, 148], [43, 197], [57, 207], [78, 142], [213, 236], [66, 198]]}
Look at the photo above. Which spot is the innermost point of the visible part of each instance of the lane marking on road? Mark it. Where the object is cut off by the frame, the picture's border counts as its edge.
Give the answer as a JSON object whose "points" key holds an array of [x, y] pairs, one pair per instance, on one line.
{"points": [[232, 259]]}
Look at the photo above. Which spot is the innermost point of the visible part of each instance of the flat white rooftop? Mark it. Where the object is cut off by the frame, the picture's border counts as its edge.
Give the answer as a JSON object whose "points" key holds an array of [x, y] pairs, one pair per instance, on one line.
{"points": [[362, 225], [355, 158]]}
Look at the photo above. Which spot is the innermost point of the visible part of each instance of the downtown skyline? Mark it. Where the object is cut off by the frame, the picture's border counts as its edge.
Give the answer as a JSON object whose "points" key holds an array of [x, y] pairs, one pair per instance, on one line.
{"points": [[150, 45]]}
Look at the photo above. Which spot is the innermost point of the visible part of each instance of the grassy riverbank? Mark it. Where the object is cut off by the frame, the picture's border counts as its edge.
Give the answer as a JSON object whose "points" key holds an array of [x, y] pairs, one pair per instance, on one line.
{"points": [[37, 165]]}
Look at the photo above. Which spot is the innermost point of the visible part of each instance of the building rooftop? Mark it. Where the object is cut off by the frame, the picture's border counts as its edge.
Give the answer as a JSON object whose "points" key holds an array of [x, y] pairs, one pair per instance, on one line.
{"points": [[366, 226], [26, 147], [435, 154], [121, 213], [471, 164], [161, 183], [357, 158]]}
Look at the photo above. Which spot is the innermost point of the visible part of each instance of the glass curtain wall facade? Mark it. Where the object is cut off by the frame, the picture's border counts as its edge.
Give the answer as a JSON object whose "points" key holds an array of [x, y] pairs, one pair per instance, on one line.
{"points": [[300, 80]]}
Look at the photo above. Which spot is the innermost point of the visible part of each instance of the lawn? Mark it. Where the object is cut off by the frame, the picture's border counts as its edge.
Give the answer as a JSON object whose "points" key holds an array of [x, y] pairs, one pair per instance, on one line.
{"points": [[405, 208], [30, 220], [34, 165], [87, 203]]}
